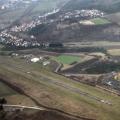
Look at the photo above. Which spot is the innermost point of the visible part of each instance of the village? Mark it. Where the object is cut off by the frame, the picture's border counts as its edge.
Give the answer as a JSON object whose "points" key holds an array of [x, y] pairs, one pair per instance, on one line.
{"points": [[10, 36], [82, 13]]}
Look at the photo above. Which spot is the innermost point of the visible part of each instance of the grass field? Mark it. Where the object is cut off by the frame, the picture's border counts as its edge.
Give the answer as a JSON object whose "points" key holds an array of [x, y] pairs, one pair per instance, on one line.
{"points": [[100, 21], [105, 44], [57, 91], [67, 59]]}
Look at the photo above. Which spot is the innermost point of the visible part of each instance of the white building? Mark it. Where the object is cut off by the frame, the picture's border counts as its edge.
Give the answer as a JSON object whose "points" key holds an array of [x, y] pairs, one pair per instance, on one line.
{"points": [[35, 60]]}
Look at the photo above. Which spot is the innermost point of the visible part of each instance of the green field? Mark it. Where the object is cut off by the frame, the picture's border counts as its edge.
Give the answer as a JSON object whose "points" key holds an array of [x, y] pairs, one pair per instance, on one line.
{"points": [[67, 59], [100, 21]]}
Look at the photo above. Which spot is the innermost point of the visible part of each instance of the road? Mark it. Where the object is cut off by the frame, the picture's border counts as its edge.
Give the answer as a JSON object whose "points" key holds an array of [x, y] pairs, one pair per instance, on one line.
{"points": [[15, 107], [58, 68]]}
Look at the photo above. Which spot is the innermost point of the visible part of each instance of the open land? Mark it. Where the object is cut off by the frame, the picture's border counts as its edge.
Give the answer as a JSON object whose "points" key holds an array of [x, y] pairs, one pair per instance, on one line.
{"points": [[15, 72]]}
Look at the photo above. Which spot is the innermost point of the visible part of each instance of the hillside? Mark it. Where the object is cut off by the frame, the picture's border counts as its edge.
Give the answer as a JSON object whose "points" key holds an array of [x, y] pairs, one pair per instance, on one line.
{"points": [[109, 6], [75, 33], [12, 12]]}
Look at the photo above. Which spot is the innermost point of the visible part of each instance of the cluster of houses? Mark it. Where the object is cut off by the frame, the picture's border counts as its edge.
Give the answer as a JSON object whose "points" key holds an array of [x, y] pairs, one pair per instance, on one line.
{"points": [[40, 20], [44, 60], [6, 35], [25, 26], [7, 38], [34, 59], [82, 13]]}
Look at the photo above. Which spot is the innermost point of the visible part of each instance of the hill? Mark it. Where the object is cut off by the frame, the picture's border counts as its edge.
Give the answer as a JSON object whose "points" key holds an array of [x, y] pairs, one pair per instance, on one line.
{"points": [[24, 11], [75, 33], [109, 6]]}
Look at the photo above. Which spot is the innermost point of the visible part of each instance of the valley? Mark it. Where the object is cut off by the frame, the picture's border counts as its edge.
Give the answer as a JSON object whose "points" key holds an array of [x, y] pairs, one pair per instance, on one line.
{"points": [[60, 59]]}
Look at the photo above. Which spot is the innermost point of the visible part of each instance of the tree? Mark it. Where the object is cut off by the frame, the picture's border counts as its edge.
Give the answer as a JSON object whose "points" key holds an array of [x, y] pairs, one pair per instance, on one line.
{"points": [[3, 101]]}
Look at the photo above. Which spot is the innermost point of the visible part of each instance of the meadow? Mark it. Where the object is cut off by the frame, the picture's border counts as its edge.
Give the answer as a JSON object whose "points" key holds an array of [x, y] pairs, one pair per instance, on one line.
{"points": [[100, 21], [67, 59]]}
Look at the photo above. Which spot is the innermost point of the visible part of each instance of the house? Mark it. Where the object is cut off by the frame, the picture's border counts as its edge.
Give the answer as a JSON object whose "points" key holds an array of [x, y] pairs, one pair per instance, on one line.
{"points": [[34, 60]]}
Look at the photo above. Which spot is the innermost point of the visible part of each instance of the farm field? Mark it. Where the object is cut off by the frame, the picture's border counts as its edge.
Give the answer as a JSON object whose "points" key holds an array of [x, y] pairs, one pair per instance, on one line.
{"points": [[100, 21], [105, 44], [56, 91], [95, 21], [114, 52], [67, 59]]}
